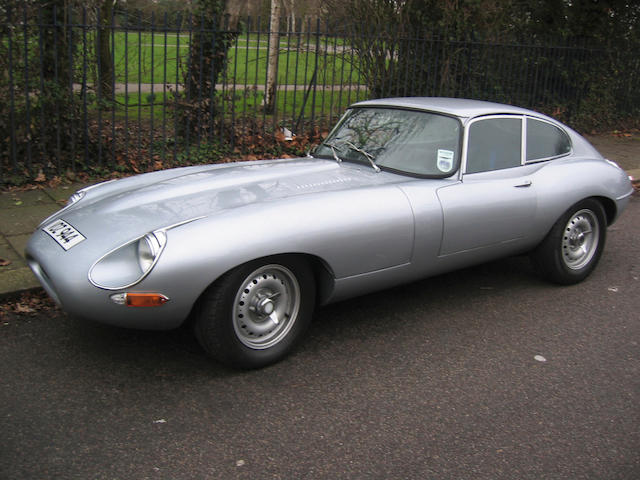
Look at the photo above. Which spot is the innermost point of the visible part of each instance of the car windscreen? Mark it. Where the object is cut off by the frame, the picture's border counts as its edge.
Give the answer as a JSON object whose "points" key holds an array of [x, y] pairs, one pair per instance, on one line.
{"points": [[405, 141]]}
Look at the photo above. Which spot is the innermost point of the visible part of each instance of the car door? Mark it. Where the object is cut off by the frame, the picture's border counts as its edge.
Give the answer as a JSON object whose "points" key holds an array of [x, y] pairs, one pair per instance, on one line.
{"points": [[495, 202]]}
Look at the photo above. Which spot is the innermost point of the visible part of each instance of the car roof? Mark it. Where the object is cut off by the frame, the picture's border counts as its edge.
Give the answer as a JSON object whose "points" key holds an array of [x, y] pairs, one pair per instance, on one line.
{"points": [[459, 107]]}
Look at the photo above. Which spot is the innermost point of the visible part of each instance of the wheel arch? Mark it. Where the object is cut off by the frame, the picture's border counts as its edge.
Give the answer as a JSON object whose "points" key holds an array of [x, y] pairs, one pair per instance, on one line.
{"points": [[322, 274], [608, 205], [610, 208]]}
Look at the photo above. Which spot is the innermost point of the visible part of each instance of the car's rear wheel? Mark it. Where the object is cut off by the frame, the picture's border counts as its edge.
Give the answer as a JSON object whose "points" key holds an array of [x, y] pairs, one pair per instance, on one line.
{"points": [[573, 246], [256, 313]]}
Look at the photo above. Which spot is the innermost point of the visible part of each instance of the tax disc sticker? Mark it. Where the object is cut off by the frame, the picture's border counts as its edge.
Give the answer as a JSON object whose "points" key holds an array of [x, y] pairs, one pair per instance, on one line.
{"points": [[445, 160]]}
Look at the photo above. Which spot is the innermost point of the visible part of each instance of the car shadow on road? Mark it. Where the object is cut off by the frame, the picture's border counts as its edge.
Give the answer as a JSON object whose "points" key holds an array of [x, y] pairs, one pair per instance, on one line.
{"points": [[420, 305], [447, 290]]}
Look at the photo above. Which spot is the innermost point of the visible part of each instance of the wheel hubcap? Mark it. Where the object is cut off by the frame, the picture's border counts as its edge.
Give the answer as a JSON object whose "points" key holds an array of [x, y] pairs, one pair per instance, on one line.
{"points": [[580, 239], [266, 306]]}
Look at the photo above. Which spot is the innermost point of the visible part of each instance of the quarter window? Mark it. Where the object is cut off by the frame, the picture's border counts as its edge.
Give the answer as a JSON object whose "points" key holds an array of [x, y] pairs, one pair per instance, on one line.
{"points": [[545, 140], [494, 144]]}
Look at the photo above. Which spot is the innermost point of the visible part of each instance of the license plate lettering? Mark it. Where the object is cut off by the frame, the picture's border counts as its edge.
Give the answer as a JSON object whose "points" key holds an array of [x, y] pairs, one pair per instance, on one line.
{"points": [[63, 233]]}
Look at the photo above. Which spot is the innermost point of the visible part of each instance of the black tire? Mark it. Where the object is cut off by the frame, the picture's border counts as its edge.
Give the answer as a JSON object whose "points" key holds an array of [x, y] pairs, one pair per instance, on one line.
{"points": [[573, 246], [255, 314]]}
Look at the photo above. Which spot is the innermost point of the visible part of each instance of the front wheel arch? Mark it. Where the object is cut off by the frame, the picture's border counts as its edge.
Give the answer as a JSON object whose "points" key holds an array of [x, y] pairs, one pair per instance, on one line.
{"points": [[283, 286], [323, 275]]}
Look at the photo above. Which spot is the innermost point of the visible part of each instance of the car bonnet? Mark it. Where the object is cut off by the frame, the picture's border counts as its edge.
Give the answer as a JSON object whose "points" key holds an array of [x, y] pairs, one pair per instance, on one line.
{"points": [[121, 211]]}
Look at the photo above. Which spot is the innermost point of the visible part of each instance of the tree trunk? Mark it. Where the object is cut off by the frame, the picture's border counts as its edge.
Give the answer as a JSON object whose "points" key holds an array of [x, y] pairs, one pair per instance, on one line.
{"points": [[103, 50], [272, 66], [55, 61]]}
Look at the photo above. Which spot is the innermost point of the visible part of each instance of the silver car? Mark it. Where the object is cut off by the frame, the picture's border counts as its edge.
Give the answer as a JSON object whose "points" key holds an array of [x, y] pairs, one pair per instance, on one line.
{"points": [[401, 189]]}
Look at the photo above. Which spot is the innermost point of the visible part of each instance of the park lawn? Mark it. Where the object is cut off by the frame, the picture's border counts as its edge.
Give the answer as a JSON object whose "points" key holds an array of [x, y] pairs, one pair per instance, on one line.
{"points": [[162, 57], [141, 107], [142, 57]]}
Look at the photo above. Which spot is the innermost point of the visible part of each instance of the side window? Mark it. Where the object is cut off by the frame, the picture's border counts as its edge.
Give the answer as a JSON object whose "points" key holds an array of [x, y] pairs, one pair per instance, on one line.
{"points": [[545, 140], [494, 144]]}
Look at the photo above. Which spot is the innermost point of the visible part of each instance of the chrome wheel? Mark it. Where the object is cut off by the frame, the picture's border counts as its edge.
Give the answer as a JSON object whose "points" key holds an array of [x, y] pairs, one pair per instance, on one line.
{"points": [[580, 239], [266, 306]]}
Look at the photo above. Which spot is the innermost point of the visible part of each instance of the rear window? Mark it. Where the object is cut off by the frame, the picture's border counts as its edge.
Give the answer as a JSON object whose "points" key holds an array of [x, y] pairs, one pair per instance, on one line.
{"points": [[545, 140]]}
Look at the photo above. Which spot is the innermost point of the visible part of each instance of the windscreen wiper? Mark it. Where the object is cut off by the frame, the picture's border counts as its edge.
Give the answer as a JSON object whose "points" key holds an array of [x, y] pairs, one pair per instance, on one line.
{"points": [[333, 151], [370, 157]]}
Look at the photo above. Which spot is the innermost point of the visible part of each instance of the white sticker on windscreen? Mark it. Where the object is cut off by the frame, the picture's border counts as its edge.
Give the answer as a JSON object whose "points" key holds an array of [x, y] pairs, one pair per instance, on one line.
{"points": [[445, 160]]}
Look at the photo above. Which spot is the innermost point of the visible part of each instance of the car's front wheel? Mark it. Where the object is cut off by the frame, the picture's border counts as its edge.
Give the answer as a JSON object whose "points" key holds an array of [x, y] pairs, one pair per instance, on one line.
{"points": [[255, 314], [573, 246]]}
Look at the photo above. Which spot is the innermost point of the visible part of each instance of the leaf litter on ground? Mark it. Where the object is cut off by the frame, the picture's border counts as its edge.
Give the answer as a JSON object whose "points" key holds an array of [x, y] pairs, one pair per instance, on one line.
{"points": [[27, 304]]}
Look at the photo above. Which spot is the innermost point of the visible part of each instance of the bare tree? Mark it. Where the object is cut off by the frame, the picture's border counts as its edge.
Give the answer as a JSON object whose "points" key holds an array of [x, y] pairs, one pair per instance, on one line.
{"points": [[103, 48], [210, 43], [272, 65], [289, 14]]}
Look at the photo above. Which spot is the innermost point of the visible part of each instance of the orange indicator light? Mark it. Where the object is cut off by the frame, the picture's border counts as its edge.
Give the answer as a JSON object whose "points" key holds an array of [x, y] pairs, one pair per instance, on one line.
{"points": [[145, 299]]}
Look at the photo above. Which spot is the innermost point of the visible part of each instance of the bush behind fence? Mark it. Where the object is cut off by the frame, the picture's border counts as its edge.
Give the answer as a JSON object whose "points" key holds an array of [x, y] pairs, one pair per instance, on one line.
{"points": [[82, 93]]}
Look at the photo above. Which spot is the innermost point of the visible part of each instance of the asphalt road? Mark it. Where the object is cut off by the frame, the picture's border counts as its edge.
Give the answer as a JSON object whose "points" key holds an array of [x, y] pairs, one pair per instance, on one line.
{"points": [[438, 379]]}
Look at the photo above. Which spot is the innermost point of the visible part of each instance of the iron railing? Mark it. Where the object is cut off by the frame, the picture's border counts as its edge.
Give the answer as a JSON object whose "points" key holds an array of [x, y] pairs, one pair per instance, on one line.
{"points": [[65, 111]]}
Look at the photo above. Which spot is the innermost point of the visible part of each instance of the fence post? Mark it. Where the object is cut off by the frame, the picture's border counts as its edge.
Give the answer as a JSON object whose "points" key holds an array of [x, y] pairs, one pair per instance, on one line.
{"points": [[12, 111], [314, 80], [27, 97]]}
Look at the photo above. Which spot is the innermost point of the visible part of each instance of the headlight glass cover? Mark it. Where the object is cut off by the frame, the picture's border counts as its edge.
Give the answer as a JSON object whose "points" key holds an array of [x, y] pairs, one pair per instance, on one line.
{"points": [[129, 264], [149, 248]]}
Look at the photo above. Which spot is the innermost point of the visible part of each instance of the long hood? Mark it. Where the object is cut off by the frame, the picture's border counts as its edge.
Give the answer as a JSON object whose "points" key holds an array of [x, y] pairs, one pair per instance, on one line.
{"points": [[121, 210]]}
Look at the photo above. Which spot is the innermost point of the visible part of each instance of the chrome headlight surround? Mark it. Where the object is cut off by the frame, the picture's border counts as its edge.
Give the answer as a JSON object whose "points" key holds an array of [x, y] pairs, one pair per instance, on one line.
{"points": [[129, 264]]}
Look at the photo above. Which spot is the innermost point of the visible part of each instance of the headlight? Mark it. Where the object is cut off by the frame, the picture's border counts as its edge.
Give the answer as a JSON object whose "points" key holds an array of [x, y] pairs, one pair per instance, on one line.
{"points": [[149, 248], [129, 264]]}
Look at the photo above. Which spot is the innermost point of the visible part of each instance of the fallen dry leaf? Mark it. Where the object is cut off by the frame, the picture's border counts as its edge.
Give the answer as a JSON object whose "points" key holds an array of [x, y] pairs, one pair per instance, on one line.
{"points": [[29, 303], [4, 262], [21, 308]]}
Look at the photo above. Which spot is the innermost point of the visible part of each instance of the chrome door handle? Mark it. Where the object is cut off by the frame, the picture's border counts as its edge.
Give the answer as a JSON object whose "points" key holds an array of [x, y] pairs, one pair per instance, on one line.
{"points": [[526, 183]]}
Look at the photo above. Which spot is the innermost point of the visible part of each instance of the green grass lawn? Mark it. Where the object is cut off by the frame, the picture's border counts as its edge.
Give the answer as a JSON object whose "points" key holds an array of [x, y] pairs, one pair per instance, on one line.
{"points": [[153, 58], [143, 57], [289, 105]]}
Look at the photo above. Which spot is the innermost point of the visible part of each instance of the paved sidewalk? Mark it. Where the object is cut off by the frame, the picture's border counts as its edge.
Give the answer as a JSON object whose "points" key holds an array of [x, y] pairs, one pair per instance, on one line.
{"points": [[20, 215]]}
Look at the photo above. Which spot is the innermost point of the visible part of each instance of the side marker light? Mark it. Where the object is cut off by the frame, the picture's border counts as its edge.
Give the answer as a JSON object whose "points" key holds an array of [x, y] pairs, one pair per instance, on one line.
{"points": [[139, 299]]}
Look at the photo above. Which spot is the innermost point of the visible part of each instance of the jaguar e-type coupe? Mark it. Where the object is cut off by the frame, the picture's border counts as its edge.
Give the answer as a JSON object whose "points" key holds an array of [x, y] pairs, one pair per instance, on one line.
{"points": [[399, 190]]}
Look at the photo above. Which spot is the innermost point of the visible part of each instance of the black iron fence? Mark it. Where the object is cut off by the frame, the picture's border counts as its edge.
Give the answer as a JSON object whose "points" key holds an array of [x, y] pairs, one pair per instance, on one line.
{"points": [[81, 93]]}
